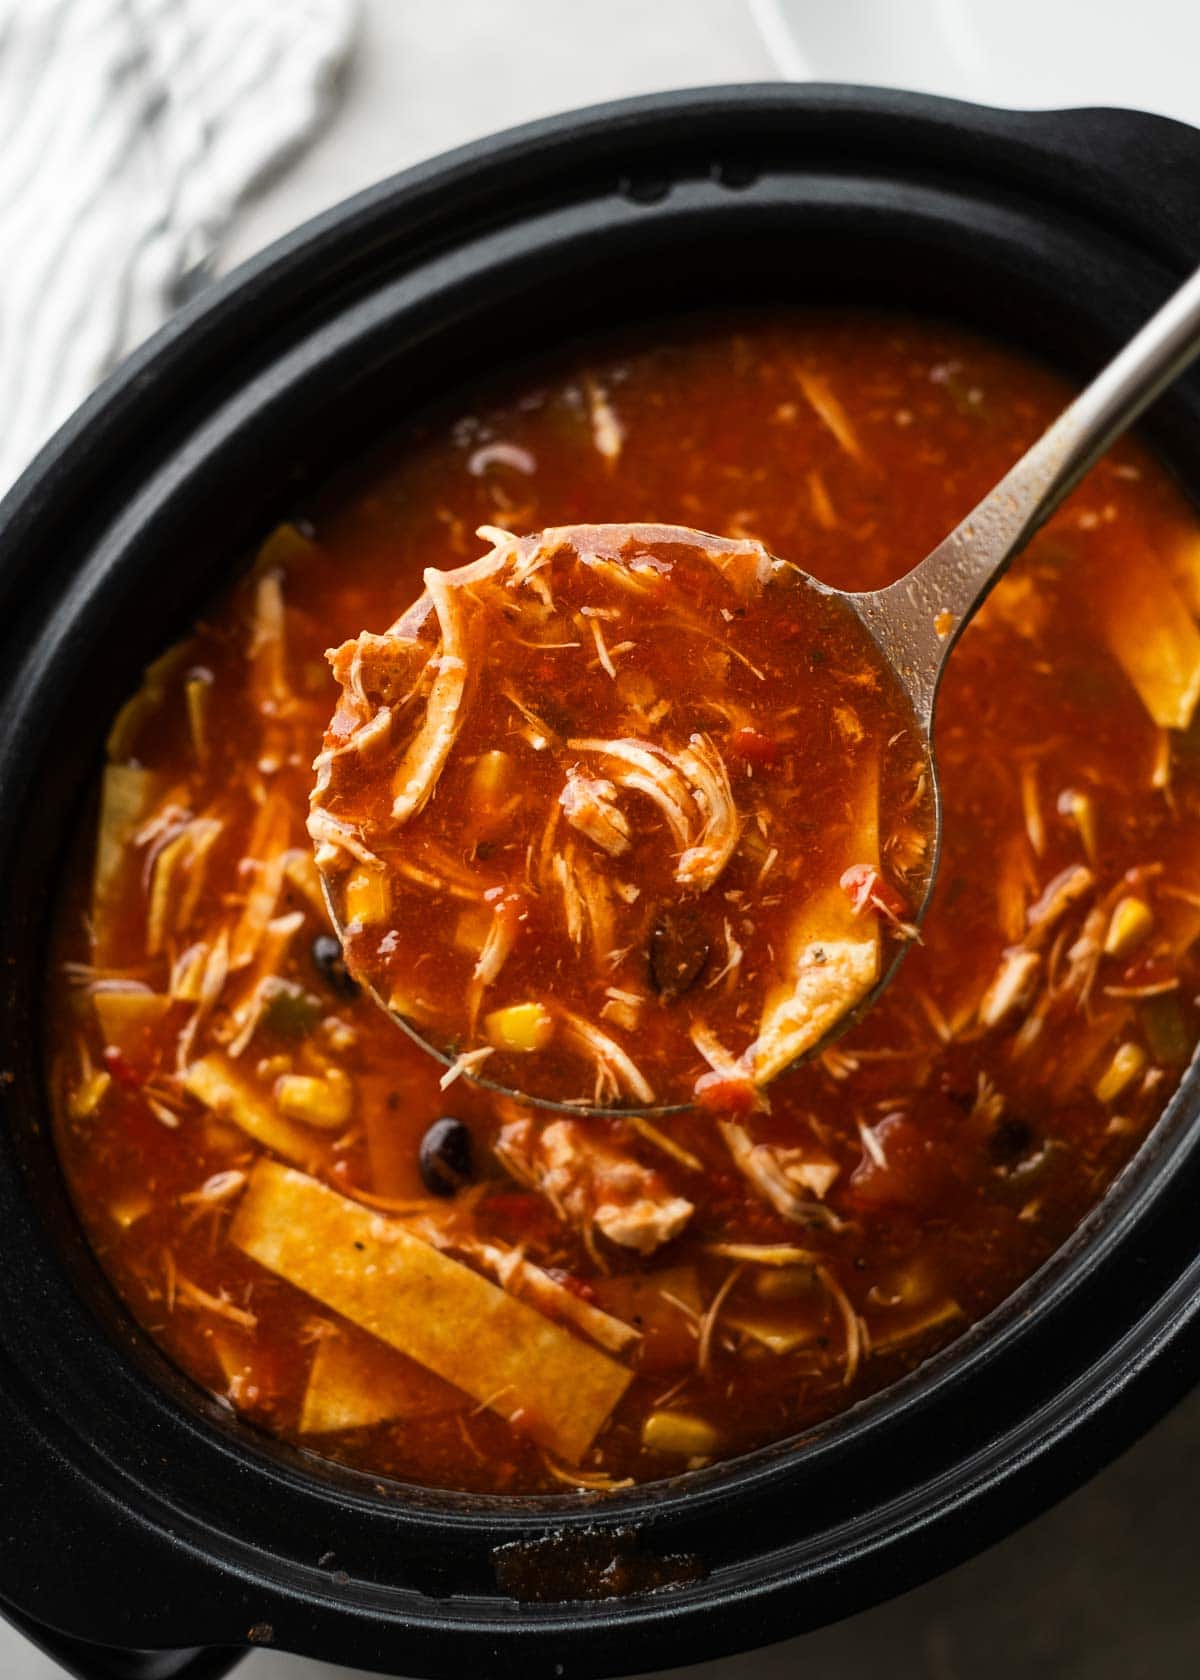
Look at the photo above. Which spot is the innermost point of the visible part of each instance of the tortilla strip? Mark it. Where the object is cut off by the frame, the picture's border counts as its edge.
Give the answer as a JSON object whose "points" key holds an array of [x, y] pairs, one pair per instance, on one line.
{"points": [[267, 850], [775, 1332], [371, 1270], [127, 1012], [215, 1082], [418, 772], [1150, 633], [1182, 559], [127, 793], [354, 1382], [831, 957]]}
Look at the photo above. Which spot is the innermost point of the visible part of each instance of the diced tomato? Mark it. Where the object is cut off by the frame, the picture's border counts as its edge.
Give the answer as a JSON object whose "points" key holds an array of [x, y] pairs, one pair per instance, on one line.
{"points": [[720, 1095], [865, 887], [902, 1167], [120, 1069], [753, 746]]}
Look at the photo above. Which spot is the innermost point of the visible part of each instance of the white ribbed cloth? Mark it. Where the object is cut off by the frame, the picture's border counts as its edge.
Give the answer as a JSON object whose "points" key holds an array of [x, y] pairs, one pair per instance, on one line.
{"points": [[129, 132]]}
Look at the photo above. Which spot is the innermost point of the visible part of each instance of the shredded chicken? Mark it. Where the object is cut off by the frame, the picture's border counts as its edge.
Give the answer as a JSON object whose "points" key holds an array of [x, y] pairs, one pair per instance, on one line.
{"points": [[730, 1070], [501, 937], [528, 1282], [706, 857], [589, 805], [617, 1074], [247, 1007], [266, 858], [1011, 987], [852, 1325], [467, 1063], [219, 1305], [692, 792], [590, 1184], [1063, 891], [178, 873], [788, 1178], [608, 434], [331, 837], [648, 769], [828, 409], [587, 901], [708, 1323], [418, 772]]}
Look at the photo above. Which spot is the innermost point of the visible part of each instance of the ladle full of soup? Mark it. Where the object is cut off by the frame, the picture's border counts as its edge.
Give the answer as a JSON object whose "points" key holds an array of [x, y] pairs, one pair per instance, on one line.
{"points": [[605, 743], [622, 816]]}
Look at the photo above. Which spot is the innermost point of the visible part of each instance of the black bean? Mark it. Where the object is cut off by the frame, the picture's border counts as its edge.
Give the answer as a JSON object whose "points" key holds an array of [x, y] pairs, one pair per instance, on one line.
{"points": [[1010, 1142], [679, 949], [331, 966], [445, 1157]]}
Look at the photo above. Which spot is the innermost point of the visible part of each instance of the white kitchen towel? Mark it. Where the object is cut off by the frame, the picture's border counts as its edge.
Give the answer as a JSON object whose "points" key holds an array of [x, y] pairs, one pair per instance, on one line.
{"points": [[130, 130]]}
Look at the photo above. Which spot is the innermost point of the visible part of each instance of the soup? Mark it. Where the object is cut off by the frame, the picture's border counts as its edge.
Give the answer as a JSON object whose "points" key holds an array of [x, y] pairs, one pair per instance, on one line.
{"points": [[666, 792], [437, 1284]]}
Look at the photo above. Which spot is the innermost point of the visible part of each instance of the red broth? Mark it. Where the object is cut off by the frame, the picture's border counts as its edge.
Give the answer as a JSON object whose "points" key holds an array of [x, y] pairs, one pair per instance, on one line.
{"points": [[250, 1142]]}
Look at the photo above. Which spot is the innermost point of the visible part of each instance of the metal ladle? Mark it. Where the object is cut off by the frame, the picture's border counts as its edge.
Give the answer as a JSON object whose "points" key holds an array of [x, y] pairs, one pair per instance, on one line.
{"points": [[916, 621]]}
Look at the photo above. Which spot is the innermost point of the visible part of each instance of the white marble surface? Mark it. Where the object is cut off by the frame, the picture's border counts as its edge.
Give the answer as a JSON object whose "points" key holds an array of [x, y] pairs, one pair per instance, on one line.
{"points": [[1101, 1588]]}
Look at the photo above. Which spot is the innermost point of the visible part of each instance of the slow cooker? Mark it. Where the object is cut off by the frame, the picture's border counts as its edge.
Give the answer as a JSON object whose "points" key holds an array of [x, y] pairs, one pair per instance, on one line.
{"points": [[144, 1532]]}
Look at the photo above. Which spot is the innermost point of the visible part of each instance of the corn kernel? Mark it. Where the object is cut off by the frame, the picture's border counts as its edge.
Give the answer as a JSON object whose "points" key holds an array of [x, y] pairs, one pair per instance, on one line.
{"points": [[522, 1026], [1131, 921], [367, 898], [678, 1432], [1127, 1063], [491, 779], [327, 1102]]}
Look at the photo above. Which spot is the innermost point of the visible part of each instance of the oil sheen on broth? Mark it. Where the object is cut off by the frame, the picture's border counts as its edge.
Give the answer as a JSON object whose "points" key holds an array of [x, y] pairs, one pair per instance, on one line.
{"points": [[436, 1284]]}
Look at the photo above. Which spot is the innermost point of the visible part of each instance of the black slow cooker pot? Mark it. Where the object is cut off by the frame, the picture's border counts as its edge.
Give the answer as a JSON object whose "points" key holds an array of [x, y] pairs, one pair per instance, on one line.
{"points": [[143, 1532]]}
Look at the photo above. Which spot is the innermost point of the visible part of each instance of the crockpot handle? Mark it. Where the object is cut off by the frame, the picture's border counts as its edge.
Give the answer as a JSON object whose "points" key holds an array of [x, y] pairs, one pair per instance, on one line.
{"points": [[85, 1661], [1134, 167]]}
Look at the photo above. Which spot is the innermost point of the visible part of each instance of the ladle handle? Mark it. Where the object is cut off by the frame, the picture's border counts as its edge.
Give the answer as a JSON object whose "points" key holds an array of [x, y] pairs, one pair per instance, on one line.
{"points": [[918, 619]]}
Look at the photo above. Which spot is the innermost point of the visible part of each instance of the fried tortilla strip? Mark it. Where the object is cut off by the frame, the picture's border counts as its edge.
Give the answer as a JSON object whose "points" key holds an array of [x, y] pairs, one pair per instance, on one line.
{"points": [[127, 1013], [214, 1081], [1150, 633], [1181, 555], [127, 795], [354, 1382], [371, 1270], [830, 958]]}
